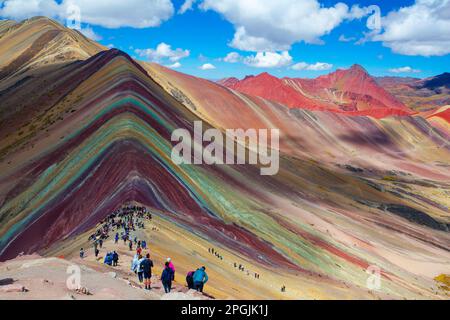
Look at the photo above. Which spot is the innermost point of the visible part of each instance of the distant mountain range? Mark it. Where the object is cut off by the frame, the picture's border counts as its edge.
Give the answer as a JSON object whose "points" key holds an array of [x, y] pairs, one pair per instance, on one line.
{"points": [[351, 92], [419, 94]]}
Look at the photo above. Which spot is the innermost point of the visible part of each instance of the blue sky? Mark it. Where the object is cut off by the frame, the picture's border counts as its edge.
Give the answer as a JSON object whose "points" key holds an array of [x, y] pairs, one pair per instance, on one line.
{"points": [[208, 33]]}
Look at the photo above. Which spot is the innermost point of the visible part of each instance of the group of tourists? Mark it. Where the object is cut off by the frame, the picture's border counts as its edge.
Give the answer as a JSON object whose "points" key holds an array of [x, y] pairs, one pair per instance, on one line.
{"points": [[123, 222]]}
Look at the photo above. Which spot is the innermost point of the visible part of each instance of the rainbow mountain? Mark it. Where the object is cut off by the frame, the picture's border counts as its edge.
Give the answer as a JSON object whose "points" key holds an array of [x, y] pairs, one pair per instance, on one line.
{"points": [[85, 130]]}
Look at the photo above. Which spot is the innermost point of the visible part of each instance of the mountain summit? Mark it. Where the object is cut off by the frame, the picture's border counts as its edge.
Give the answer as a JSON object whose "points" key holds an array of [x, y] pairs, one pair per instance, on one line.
{"points": [[352, 92]]}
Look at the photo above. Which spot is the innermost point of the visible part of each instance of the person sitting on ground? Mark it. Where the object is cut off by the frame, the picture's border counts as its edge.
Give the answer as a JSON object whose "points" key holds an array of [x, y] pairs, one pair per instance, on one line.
{"points": [[147, 266], [115, 258], [190, 279], [167, 277], [108, 259], [200, 278]]}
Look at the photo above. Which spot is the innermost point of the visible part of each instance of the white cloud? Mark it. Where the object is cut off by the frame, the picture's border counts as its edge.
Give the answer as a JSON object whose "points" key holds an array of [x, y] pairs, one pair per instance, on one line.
{"points": [[187, 5], [269, 59], [343, 38], [105, 13], [318, 66], [90, 33], [163, 51], [421, 29], [232, 57], [207, 66], [404, 70], [268, 25], [174, 65]]}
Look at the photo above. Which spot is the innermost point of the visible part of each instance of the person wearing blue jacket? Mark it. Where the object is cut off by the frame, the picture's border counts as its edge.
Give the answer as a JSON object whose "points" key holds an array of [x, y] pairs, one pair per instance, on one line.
{"points": [[200, 278], [166, 278], [108, 259]]}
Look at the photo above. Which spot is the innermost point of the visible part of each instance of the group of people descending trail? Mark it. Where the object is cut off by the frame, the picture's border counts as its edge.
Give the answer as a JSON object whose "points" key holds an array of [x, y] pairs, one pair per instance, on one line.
{"points": [[124, 221], [214, 252], [240, 266], [197, 279]]}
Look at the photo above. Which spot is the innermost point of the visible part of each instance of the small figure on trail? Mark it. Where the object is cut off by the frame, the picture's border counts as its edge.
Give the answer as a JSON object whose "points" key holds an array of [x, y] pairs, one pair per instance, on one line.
{"points": [[100, 242], [108, 259], [139, 250], [96, 252], [81, 253], [130, 245], [144, 244], [167, 277], [117, 238], [115, 258], [172, 267], [190, 279], [200, 278], [138, 269], [147, 266], [283, 288]]}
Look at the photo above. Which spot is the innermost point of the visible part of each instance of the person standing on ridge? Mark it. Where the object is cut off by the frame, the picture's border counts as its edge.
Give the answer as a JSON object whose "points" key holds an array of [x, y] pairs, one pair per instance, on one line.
{"points": [[146, 266], [167, 277], [200, 278]]}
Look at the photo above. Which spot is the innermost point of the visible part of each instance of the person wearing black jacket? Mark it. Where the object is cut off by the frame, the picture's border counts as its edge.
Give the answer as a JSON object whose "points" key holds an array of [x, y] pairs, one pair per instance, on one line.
{"points": [[166, 278], [146, 267]]}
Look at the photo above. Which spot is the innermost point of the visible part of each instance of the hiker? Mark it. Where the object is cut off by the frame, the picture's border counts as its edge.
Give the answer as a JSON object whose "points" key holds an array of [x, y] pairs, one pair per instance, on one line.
{"points": [[144, 244], [172, 267], [117, 238], [139, 250], [139, 270], [200, 278], [146, 266], [108, 259], [96, 252], [115, 258], [130, 245], [167, 277], [134, 263], [81, 253], [190, 279], [100, 242]]}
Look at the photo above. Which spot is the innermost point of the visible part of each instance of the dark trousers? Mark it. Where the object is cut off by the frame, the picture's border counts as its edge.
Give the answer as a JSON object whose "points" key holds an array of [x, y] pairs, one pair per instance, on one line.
{"points": [[141, 276], [198, 286], [167, 286]]}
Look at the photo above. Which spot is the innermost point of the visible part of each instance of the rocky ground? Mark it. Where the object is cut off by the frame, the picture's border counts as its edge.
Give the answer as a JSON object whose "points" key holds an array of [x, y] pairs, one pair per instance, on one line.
{"points": [[34, 277]]}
